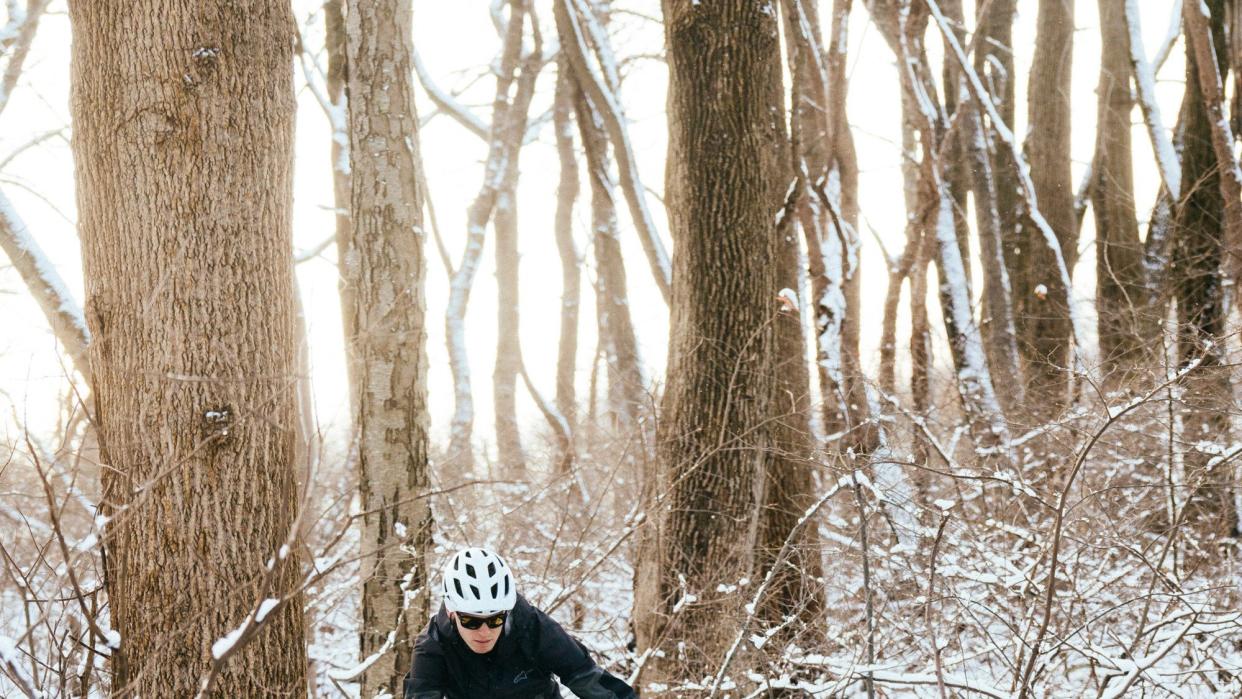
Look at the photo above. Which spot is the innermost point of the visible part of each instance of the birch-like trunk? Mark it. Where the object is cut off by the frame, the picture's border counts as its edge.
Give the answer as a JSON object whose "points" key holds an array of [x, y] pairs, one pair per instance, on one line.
{"points": [[385, 271], [183, 137]]}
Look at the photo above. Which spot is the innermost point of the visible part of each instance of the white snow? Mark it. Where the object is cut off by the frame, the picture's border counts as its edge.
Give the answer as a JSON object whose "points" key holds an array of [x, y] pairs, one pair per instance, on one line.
{"points": [[266, 607], [225, 644], [44, 281]]}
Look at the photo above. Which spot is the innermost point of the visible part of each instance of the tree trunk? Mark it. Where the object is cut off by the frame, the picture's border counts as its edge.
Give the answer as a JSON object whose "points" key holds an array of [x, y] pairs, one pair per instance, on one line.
{"points": [[1200, 302], [571, 266], [829, 218], [995, 66], [338, 74], [725, 124], [508, 354], [385, 273], [1041, 314], [183, 136], [508, 127], [973, 163], [1125, 330], [626, 391]]}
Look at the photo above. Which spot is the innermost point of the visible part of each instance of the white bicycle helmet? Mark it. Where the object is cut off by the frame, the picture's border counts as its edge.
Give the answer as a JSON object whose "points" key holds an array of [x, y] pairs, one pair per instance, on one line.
{"points": [[478, 582]]}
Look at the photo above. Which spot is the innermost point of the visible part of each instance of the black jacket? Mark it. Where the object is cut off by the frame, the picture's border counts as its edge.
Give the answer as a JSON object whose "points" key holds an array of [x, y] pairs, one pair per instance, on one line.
{"points": [[531, 649]]}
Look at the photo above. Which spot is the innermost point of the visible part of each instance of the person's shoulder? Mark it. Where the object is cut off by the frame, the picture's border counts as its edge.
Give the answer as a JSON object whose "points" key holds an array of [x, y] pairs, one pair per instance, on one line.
{"points": [[432, 638]]}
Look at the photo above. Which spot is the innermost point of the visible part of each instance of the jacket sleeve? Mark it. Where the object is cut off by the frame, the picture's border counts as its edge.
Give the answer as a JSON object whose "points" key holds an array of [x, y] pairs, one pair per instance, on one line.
{"points": [[563, 656], [425, 680]]}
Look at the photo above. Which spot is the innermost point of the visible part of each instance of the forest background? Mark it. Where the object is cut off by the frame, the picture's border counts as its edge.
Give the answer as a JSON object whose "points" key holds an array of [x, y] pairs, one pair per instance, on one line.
{"points": [[930, 462]]}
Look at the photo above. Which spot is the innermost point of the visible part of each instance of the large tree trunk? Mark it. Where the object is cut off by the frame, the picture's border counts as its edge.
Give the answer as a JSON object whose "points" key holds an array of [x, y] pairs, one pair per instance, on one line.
{"points": [[183, 136], [1200, 302], [1125, 330], [385, 275], [1042, 315], [724, 161]]}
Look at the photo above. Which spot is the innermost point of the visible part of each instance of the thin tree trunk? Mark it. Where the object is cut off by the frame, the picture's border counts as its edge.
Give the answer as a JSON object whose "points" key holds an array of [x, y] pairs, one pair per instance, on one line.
{"points": [[626, 390], [1042, 312], [579, 30], [571, 266], [725, 116], [904, 31], [338, 70], [185, 215], [505, 222], [829, 217], [386, 276], [1125, 330], [974, 163], [508, 119], [994, 64], [1212, 67]]}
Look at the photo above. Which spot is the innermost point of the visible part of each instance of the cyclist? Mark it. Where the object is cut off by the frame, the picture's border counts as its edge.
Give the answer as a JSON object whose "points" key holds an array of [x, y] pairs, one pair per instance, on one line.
{"points": [[488, 642]]}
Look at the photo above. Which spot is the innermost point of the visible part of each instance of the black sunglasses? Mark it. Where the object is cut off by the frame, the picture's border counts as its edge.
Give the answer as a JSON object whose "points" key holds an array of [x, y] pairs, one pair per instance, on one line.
{"points": [[474, 623]]}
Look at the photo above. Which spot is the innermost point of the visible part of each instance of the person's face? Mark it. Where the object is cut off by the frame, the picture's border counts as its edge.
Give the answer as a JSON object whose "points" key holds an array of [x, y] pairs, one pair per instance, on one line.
{"points": [[480, 640]]}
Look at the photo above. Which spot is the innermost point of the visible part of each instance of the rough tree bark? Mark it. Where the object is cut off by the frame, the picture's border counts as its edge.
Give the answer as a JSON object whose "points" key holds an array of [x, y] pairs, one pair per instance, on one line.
{"points": [[1041, 313], [1125, 329], [724, 159], [183, 135], [1198, 277], [385, 271]]}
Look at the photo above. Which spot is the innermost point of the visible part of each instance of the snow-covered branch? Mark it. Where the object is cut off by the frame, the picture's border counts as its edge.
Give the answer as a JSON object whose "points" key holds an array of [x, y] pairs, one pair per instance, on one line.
{"points": [[21, 27], [446, 102], [1145, 79], [63, 313], [607, 105], [1027, 187]]}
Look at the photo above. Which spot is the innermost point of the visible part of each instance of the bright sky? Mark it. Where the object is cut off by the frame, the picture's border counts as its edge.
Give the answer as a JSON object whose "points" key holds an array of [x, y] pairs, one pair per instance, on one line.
{"points": [[457, 42]]}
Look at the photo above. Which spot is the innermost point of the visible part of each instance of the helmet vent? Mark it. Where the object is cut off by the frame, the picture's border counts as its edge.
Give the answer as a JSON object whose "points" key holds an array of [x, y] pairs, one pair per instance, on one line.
{"points": [[494, 588], [506, 585], [475, 590], [491, 569], [457, 584], [470, 571]]}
